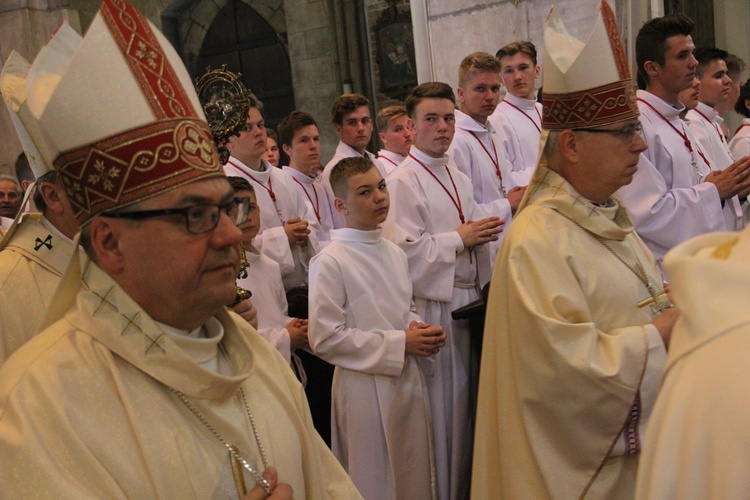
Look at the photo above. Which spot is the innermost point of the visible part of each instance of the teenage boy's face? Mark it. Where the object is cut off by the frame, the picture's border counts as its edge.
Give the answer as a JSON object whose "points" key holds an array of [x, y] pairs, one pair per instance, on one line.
{"points": [[356, 128], [366, 204], [679, 67], [519, 73], [480, 95], [251, 227], [435, 122], [715, 83], [400, 135], [304, 152]]}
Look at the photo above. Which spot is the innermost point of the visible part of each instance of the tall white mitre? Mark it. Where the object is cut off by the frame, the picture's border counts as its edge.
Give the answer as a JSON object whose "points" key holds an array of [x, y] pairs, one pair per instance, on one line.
{"points": [[584, 85], [114, 112], [27, 88]]}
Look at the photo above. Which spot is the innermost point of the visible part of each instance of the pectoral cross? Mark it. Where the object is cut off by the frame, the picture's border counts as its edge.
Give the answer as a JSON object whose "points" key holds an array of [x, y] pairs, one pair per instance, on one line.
{"points": [[658, 301], [239, 478]]}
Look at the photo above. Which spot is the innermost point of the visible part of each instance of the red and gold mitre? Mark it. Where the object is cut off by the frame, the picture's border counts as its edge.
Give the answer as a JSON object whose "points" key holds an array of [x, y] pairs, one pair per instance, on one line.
{"points": [[116, 113], [586, 84]]}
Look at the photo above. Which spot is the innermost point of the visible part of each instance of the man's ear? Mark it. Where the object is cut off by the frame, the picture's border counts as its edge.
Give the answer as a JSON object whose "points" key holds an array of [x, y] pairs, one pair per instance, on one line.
{"points": [[652, 68], [51, 197], [287, 150], [106, 237], [340, 206], [337, 128], [25, 185], [460, 95], [568, 145]]}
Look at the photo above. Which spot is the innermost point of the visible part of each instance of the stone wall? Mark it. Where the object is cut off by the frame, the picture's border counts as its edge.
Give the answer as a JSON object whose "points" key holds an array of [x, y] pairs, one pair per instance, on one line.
{"points": [[25, 26], [315, 65], [452, 30]]}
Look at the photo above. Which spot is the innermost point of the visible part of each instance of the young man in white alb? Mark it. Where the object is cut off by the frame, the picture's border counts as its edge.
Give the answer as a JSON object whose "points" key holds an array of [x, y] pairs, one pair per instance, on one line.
{"points": [[352, 121], [396, 132], [706, 123], [263, 280], [363, 320], [518, 118], [300, 140], [435, 220], [675, 194], [475, 148], [288, 227]]}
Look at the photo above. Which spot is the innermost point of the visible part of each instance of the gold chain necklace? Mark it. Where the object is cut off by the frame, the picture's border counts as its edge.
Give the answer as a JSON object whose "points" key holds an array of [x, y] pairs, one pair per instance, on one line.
{"points": [[232, 450]]}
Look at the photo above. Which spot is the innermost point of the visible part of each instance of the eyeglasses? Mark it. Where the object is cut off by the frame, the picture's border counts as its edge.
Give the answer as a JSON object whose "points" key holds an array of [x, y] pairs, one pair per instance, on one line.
{"points": [[625, 133], [198, 218]]}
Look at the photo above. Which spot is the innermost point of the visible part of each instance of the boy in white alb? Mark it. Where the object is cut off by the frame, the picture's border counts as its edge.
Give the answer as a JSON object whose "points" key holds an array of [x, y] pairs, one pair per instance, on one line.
{"points": [[300, 140], [288, 227], [435, 220], [396, 132], [518, 117], [675, 194], [706, 124], [363, 320], [263, 280], [475, 148], [350, 116]]}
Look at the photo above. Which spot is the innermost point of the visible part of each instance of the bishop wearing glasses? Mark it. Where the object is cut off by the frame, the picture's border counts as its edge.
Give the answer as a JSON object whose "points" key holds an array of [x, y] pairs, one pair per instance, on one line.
{"points": [[578, 321]]}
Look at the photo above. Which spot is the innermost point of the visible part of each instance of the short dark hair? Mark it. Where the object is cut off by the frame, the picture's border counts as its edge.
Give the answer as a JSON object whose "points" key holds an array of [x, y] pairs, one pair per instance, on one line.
{"points": [[271, 134], [513, 48], [740, 106], [438, 90], [706, 55], [23, 169], [240, 184], [345, 170], [651, 41], [346, 104], [50, 177], [292, 123]]}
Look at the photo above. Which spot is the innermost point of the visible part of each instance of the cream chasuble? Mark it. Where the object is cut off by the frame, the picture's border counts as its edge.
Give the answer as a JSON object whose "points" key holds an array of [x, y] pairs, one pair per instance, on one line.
{"points": [[87, 410], [698, 440], [570, 363], [31, 265]]}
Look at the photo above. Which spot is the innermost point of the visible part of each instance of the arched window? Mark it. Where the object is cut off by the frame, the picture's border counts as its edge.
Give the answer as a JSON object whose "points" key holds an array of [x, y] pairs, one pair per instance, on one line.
{"points": [[240, 38]]}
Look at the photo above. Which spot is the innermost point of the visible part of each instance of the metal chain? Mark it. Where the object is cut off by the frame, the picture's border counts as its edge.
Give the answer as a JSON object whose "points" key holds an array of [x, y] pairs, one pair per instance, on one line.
{"points": [[252, 470], [638, 270]]}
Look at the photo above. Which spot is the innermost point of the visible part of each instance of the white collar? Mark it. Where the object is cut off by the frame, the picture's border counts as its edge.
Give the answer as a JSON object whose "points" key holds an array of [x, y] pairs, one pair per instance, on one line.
{"points": [[466, 122], [428, 160], [669, 111], [525, 104], [306, 179]]}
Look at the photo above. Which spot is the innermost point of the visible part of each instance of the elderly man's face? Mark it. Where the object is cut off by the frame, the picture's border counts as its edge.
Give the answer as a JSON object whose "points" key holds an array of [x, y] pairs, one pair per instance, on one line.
{"points": [[180, 278], [608, 160], [10, 199]]}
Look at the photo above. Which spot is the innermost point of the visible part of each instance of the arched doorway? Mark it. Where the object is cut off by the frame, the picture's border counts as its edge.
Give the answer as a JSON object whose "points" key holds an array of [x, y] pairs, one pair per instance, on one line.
{"points": [[243, 40]]}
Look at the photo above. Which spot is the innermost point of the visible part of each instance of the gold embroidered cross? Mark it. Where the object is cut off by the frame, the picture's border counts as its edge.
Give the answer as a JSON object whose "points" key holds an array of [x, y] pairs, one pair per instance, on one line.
{"points": [[154, 342], [104, 301], [130, 323]]}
